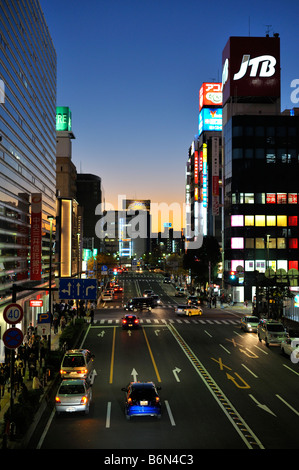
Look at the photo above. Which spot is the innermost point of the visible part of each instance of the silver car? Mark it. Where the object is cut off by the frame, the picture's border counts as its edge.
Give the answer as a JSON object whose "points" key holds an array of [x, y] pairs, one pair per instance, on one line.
{"points": [[73, 395], [77, 364]]}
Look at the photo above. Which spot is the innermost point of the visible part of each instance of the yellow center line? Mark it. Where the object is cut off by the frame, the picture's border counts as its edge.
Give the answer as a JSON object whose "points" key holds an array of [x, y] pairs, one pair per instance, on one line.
{"points": [[112, 356], [152, 357]]}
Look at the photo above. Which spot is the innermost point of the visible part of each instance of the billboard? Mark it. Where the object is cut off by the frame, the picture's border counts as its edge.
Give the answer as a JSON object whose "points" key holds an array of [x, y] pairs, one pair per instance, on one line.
{"points": [[210, 94], [251, 68], [210, 119], [36, 237], [63, 118]]}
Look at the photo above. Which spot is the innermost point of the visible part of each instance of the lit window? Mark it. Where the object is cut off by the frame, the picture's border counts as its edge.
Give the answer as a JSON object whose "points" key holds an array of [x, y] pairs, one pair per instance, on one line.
{"points": [[260, 265], [235, 263], [281, 198], [293, 243], [249, 242], [237, 243], [249, 198], [249, 220], [259, 243], [237, 220], [249, 265], [293, 220], [293, 265], [281, 243], [271, 198], [292, 198], [282, 264], [271, 220], [282, 220], [260, 221]]}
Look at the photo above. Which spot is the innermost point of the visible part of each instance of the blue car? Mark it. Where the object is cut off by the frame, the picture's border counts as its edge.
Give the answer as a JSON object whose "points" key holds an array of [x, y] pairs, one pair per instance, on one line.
{"points": [[142, 399]]}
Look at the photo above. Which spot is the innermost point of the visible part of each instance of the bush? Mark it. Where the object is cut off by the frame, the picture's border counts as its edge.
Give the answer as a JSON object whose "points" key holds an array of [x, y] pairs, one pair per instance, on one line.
{"points": [[71, 333]]}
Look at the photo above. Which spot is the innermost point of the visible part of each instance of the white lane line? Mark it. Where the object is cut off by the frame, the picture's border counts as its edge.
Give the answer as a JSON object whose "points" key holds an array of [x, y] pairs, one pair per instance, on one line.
{"points": [[108, 414], [169, 413], [287, 404]]}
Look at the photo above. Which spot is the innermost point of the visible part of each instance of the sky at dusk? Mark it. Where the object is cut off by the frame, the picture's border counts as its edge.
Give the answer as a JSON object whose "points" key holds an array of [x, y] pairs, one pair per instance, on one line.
{"points": [[131, 70]]}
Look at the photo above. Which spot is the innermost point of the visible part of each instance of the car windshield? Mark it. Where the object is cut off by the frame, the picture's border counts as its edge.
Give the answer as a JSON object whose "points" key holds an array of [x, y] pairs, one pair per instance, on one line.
{"points": [[252, 319], [76, 389], [73, 361], [278, 328]]}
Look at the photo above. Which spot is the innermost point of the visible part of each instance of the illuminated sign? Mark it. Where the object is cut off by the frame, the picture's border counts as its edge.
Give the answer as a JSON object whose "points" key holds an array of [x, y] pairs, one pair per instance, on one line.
{"points": [[251, 68], [35, 303], [63, 118], [210, 119], [205, 176], [196, 167], [210, 94], [36, 237]]}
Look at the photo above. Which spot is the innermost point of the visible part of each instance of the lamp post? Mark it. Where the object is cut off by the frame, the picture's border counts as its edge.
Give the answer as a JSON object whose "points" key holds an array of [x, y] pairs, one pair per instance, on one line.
{"points": [[50, 218]]}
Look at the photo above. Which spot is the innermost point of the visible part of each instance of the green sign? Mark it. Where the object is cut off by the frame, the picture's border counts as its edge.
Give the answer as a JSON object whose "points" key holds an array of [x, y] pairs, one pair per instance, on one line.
{"points": [[63, 118]]}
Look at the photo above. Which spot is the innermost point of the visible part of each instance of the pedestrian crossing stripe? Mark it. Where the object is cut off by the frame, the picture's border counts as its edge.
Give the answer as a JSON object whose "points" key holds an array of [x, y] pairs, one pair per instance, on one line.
{"points": [[150, 321]]}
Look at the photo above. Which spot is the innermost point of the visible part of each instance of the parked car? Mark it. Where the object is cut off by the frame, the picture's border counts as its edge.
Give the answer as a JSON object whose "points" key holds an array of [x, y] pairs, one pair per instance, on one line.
{"points": [[73, 396], [272, 332], [249, 323]]}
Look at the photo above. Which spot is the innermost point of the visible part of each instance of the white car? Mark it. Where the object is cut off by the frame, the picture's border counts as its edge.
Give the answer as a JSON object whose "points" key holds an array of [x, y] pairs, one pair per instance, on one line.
{"points": [[73, 396], [272, 332], [249, 323], [288, 345], [107, 296]]}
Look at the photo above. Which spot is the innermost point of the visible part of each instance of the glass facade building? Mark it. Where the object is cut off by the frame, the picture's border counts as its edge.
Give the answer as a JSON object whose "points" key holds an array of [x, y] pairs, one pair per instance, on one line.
{"points": [[27, 148]]}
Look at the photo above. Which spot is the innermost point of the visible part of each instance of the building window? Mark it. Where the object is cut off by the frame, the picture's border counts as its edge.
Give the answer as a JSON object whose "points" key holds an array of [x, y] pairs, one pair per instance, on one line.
{"points": [[292, 198], [281, 243], [249, 220], [237, 243], [249, 198], [293, 265], [293, 243], [249, 243], [271, 198], [249, 265], [282, 220], [237, 220], [293, 220], [260, 221], [281, 198], [235, 263], [259, 243], [271, 220], [260, 265]]}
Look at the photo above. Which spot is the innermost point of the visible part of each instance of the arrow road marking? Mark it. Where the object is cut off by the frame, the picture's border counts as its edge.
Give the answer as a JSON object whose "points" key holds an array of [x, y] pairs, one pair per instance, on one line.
{"points": [[102, 334], [264, 407], [134, 373], [175, 373]]}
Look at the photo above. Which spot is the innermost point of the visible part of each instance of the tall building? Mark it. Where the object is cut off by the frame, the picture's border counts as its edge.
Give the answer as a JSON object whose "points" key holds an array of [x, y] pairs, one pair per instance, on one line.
{"points": [[27, 154], [261, 166]]}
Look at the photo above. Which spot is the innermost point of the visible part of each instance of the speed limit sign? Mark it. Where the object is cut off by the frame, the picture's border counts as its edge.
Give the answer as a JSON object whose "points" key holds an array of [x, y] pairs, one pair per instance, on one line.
{"points": [[13, 314]]}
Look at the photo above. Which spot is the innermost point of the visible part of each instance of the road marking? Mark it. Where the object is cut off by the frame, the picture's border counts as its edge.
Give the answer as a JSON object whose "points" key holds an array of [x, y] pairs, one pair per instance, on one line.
{"points": [[152, 357], [112, 357], [108, 414], [246, 434], [287, 404], [228, 352], [170, 413], [290, 369], [250, 371]]}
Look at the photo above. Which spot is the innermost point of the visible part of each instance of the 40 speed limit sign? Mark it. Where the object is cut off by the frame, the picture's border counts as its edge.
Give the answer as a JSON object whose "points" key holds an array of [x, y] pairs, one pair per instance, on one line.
{"points": [[13, 314]]}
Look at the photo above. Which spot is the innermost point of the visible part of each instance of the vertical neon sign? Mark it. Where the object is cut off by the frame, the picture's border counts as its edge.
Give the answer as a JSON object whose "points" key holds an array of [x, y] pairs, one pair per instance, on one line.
{"points": [[205, 175]]}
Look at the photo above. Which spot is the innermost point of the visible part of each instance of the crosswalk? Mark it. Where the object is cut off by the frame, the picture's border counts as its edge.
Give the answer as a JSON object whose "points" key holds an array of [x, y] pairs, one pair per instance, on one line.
{"points": [[165, 321]]}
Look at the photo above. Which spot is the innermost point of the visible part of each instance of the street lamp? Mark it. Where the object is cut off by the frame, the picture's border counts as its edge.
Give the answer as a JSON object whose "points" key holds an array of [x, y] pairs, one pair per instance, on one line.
{"points": [[50, 218]]}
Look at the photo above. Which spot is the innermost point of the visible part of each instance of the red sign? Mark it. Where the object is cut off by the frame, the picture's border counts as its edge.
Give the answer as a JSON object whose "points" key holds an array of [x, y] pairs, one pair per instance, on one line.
{"points": [[210, 94], [13, 313], [196, 167], [36, 237], [35, 303], [251, 68]]}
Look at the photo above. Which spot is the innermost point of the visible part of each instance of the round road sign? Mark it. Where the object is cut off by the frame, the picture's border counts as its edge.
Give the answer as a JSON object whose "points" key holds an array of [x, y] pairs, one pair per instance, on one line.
{"points": [[13, 314], [13, 338]]}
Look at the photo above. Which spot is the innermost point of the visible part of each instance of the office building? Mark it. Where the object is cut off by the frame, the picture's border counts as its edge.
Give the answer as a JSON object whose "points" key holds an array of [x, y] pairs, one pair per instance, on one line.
{"points": [[27, 154]]}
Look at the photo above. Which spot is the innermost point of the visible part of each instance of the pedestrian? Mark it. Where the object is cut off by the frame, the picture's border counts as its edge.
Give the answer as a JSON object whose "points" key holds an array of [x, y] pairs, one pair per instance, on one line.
{"points": [[2, 381], [32, 365], [62, 322], [36, 383], [91, 315]]}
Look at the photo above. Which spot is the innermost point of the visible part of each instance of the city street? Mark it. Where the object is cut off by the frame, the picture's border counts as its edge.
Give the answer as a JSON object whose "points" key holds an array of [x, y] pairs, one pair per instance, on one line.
{"points": [[220, 387]]}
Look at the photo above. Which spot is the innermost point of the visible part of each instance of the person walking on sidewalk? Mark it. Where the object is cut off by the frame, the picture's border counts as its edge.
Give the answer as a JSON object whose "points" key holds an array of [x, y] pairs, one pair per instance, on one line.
{"points": [[2, 382], [36, 383]]}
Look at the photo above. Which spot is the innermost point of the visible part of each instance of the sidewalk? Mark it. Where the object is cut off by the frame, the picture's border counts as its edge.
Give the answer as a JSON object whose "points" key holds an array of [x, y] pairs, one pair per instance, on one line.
{"points": [[5, 400]]}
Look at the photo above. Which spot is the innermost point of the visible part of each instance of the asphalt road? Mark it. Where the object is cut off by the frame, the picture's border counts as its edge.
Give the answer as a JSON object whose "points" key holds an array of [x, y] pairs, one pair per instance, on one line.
{"points": [[221, 387]]}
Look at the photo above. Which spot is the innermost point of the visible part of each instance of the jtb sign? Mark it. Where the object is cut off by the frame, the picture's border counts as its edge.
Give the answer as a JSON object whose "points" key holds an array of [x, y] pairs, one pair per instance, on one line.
{"points": [[251, 68]]}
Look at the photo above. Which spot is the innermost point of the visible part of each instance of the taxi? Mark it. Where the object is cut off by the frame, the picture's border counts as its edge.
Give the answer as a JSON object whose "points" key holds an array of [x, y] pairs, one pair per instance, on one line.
{"points": [[188, 311]]}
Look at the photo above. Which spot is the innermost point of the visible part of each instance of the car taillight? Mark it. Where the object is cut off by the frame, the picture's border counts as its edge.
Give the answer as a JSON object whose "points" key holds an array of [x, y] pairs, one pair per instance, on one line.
{"points": [[157, 399], [136, 321], [57, 399], [62, 372], [124, 322], [84, 400], [129, 400]]}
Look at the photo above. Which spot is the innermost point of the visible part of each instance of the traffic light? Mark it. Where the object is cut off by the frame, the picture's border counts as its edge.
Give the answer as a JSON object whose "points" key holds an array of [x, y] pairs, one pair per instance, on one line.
{"points": [[232, 275]]}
